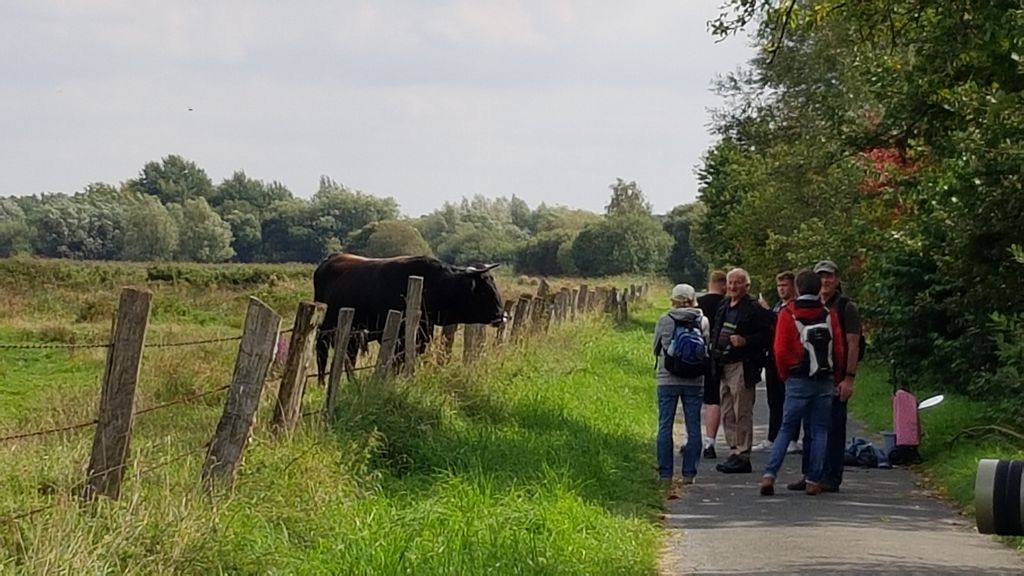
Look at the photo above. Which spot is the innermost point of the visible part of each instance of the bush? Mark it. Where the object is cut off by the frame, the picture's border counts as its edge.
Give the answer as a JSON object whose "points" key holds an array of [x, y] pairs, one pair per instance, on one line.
{"points": [[1003, 388], [622, 245]]}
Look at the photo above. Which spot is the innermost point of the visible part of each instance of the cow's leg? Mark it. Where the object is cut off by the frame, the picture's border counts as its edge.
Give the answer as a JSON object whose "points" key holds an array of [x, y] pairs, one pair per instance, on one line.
{"points": [[423, 335], [350, 358], [398, 360], [323, 347]]}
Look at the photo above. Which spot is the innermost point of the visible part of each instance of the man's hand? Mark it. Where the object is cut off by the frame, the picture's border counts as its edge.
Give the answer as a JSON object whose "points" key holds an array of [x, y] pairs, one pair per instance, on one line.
{"points": [[845, 389], [737, 341]]}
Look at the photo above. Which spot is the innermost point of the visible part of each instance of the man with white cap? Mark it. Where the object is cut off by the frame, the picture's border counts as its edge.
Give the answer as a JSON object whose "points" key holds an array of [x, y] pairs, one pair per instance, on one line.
{"points": [[680, 377]]}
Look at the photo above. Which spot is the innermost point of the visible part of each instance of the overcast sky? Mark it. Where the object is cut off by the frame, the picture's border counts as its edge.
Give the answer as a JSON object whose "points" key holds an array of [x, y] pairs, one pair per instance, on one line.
{"points": [[421, 101]]}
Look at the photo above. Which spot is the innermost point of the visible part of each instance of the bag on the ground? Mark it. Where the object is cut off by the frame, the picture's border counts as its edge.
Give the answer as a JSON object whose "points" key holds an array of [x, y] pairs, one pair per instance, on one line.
{"points": [[687, 354], [860, 452], [816, 338], [907, 427]]}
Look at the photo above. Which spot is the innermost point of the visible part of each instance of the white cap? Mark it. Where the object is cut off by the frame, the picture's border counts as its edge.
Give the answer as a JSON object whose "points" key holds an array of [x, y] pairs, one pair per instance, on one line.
{"points": [[682, 292]]}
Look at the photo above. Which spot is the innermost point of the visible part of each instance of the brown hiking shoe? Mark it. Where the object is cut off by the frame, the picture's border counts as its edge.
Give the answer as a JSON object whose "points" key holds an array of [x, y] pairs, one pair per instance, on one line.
{"points": [[829, 487], [813, 489], [767, 486], [798, 486]]}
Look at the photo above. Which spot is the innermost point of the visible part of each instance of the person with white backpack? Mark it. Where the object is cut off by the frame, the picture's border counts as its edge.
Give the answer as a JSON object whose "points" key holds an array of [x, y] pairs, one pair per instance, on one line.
{"points": [[680, 346], [810, 353]]}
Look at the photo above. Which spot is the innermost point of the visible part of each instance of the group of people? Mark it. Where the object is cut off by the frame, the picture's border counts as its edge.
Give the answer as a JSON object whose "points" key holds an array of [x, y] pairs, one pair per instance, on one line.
{"points": [[808, 345]]}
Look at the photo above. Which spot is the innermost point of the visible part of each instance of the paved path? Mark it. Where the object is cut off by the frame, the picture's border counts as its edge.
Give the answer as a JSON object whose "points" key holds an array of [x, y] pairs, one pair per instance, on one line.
{"points": [[882, 522]]}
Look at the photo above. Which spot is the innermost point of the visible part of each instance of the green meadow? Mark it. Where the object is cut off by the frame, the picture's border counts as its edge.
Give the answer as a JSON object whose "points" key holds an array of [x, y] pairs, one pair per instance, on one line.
{"points": [[538, 459]]}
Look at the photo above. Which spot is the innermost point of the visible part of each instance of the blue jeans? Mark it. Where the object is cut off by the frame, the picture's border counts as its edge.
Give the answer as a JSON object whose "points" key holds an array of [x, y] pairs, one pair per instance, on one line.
{"points": [[668, 398], [835, 451], [807, 399]]}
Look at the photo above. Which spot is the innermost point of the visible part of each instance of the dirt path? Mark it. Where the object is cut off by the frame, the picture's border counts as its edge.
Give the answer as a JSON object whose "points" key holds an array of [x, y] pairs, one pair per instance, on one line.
{"points": [[883, 522]]}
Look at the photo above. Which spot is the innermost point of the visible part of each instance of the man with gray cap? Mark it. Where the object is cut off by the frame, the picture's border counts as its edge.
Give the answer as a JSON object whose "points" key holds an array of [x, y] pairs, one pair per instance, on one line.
{"points": [[849, 320]]}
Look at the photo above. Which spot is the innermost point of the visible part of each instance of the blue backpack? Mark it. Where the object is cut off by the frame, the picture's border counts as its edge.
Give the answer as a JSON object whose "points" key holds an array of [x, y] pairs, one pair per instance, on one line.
{"points": [[687, 354]]}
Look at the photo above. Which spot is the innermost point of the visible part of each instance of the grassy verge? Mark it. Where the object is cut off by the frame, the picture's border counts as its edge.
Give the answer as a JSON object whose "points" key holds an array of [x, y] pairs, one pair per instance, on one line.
{"points": [[537, 460], [950, 465]]}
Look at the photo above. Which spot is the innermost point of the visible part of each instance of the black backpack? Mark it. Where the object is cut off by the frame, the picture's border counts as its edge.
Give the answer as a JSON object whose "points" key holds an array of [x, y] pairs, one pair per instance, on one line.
{"points": [[841, 304]]}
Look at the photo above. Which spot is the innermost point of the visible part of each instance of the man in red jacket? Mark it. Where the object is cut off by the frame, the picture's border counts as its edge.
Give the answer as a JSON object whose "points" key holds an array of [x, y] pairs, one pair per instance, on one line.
{"points": [[809, 356]]}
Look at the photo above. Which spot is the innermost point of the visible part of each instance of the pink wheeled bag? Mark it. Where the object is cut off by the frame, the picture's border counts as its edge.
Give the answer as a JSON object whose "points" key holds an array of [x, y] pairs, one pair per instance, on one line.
{"points": [[907, 427]]}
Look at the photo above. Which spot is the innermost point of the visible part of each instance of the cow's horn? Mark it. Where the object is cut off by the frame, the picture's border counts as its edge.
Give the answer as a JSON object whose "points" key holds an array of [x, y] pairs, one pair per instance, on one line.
{"points": [[474, 270]]}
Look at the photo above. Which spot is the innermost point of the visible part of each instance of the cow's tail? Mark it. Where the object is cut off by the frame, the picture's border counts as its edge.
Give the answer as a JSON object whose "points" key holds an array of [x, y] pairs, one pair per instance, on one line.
{"points": [[323, 338]]}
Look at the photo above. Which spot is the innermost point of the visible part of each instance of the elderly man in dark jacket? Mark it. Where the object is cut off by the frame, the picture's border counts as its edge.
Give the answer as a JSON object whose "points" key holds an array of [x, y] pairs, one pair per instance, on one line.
{"points": [[740, 335]]}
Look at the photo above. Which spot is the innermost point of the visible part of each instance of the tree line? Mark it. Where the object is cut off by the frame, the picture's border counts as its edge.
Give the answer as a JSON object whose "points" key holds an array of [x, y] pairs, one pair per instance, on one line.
{"points": [[887, 136], [173, 211]]}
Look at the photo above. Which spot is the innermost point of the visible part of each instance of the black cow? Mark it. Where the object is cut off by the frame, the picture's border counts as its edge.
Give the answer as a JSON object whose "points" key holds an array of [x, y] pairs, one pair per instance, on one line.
{"points": [[372, 286]]}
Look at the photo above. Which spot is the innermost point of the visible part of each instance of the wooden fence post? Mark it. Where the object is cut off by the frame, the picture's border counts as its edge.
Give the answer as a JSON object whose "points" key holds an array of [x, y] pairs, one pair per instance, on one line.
{"points": [[537, 314], [255, 352], [544, 288], [519, 320], [110, 444], [601, 299], [413, 298], [581, 300], [386, 355], [502, 332], [473, 343], [342, 332], [300, 348]]}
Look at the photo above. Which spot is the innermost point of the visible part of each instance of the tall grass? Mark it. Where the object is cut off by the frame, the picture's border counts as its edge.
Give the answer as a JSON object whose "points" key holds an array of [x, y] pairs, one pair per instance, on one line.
{"points": [[536, 460]]}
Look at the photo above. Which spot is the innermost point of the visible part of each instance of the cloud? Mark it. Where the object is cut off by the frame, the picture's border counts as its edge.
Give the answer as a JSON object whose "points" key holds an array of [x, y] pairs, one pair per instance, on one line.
{"points": [[425, 102]]}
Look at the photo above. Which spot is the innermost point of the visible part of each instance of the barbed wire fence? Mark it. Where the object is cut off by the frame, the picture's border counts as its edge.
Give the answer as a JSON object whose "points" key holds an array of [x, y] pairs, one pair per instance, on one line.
{"points": [[259, 346]]}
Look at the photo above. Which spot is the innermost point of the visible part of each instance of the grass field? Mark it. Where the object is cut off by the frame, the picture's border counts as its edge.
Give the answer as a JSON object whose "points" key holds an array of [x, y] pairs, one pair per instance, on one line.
{"points": [[538, 460]]}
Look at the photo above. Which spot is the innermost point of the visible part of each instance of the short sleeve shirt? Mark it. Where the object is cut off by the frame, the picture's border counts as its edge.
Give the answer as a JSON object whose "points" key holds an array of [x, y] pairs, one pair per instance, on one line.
{"points": [[849, 318]]}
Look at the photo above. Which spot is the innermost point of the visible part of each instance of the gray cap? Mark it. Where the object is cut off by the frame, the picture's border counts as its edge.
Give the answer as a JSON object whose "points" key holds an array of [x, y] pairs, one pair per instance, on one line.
{"points": [[682, 292], [826, 266]]}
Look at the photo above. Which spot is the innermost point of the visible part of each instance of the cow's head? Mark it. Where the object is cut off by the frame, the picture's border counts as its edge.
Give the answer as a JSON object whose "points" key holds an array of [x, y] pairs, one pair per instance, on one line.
{"points": [[478, 300]]}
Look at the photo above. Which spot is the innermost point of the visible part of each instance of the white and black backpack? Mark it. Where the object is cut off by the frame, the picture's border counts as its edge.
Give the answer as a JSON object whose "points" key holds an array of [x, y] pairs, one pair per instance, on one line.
{"points": [[816, 337]]}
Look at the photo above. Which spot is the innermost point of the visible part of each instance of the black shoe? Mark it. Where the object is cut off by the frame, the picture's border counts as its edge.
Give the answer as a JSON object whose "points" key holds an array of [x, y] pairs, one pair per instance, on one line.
{"points": [[709, 453], [799, 485], [735, 465]]}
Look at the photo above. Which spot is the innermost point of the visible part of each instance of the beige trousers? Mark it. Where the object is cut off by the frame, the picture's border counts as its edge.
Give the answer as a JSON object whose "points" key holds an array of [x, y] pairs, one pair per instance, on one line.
{"points": [[737, 409]]}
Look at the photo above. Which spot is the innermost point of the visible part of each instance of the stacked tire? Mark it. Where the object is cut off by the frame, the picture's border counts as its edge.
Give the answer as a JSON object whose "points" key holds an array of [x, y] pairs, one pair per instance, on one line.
{"points": [[999, 497]]}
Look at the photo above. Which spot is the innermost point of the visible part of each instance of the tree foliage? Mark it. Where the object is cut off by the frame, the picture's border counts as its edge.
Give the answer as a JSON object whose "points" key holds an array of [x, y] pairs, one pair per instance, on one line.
{"points": [[388, 238], [149, 231], [172, 211], [202, 235], [887, 136], [627, 200], [173, 180], [631, 243], [684, 265]]}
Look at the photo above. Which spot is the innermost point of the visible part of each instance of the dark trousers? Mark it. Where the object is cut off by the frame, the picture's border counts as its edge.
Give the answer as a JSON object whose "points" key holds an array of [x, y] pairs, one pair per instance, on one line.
{"points": [[836, 450], [776, 390]]}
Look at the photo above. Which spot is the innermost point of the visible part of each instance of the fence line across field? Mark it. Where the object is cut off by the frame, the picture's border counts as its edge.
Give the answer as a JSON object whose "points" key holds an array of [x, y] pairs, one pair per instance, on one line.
{"points": [[71, 346], [257, 349], [80, 484]]}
